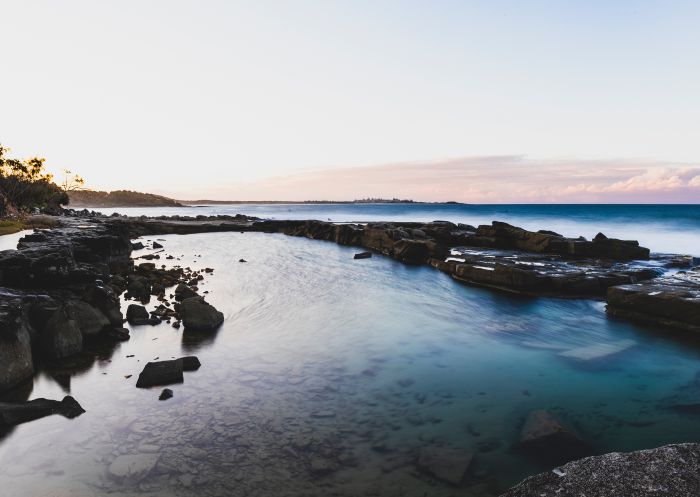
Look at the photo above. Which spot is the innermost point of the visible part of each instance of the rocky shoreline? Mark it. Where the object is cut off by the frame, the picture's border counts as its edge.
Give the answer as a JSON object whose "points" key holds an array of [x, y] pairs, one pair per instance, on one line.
{"points": [[60, 292]]}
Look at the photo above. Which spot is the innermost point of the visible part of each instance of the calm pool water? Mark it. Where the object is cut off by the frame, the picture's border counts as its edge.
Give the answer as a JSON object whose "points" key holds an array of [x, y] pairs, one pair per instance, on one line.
{"points": [[329, 374]]}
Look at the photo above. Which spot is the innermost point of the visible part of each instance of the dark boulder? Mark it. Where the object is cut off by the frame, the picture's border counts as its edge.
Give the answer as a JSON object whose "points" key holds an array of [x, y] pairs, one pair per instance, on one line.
{"points": [[157, 245], [137, 246], [160, 373], [198, 315], [183, 292], [363, 255], [61, 337], [139, 288], [138, 315], [89, 319], [16, 362], [14, 413], [166, 394], [104, 299], [190, 363]]}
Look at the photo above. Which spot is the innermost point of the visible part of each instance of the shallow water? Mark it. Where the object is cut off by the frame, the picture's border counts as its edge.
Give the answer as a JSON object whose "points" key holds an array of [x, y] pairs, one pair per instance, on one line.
{"points": [[662, 228], [329, 374]]}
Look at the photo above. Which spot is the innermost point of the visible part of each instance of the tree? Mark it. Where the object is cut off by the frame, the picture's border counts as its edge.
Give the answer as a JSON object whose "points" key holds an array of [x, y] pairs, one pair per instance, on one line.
{"points": [[24, 184], [72, 182]]}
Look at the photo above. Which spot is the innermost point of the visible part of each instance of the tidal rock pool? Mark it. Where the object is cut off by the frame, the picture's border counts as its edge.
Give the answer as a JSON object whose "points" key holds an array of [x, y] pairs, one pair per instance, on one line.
{"points": [[335, 376]]}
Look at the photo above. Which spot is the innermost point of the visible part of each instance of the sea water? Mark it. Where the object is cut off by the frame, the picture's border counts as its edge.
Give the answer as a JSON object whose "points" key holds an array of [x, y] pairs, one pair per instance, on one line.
{"points": [[663, 228], [329, 375]]}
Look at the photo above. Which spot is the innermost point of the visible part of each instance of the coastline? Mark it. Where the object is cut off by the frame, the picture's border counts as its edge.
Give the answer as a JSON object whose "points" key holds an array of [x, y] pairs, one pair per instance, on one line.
{"points": [[427, 244]]}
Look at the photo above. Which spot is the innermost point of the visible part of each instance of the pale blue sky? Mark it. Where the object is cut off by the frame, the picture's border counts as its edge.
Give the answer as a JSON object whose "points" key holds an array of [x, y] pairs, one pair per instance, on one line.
{"points": [[206, 98]]}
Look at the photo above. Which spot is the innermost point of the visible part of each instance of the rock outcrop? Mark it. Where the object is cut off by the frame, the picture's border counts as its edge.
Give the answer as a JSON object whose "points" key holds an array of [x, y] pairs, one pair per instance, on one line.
{"points": [[672, 470], [670, 301]]}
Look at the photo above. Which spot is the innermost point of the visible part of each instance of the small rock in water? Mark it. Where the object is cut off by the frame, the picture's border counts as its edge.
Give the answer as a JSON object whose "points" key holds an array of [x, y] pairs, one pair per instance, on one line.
{"points": [[190, 363], [242, 260], [546, 439], [166, 394], [160, 373], [132, 468], [323, 414], [446, 464], [363, 255], [157, 245]]}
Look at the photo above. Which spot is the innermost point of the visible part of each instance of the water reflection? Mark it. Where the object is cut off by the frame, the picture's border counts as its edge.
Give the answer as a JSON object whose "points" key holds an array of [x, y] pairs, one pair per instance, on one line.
{"points": [[330, 376]]}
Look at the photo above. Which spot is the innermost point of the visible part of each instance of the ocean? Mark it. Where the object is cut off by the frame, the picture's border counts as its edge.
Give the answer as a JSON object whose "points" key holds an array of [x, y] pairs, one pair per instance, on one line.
{"points": [[663, 228], [329, 375]]}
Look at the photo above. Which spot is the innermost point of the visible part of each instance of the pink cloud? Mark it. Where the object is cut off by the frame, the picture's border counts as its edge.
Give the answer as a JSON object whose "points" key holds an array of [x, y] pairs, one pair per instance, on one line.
{"points": [[494, 179]]}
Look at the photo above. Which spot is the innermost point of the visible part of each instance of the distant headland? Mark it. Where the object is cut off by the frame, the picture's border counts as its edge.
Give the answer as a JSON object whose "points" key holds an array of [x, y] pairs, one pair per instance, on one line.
{"points": [[127, 198]]}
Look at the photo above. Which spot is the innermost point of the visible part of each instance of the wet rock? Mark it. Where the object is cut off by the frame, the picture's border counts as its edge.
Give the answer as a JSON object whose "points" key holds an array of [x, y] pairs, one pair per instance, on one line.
{"points": [[16, 362], [545, 439], [137, 246], [139, 288], [160, 373], [190, 363], [166, 394], [446, 464], [198, 315], [138, 315], [157, 245], [106, 301], [183, 292], [14, 413], [89, 319], [363, 255], [672, 470], [412, 251], [61, 336], [672, 301], [132, 468]]}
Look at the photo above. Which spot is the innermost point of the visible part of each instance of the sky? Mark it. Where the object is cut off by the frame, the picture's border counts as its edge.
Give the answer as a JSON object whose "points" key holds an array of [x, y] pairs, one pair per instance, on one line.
{"points": [[488, 101]]}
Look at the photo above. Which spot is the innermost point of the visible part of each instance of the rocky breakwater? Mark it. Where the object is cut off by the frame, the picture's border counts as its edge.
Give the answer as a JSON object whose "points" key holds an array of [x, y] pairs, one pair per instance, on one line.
{"points": [[673, 300], [498, 256]]}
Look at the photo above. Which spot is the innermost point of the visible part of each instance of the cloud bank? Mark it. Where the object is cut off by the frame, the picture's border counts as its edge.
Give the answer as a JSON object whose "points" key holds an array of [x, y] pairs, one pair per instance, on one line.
{"points": [[493, 179]]}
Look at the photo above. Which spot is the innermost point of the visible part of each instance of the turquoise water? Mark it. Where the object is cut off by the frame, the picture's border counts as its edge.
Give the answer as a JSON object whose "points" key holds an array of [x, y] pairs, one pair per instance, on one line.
{"points": [[330, 374], [663, 228]]}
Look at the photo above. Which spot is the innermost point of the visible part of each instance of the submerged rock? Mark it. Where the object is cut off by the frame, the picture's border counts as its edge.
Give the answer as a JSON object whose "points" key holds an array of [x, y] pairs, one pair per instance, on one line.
{"points": [[598, 352], [672, 470], [132, 468], [12, 413], [363, 255], [446, 464], [544, 438]]}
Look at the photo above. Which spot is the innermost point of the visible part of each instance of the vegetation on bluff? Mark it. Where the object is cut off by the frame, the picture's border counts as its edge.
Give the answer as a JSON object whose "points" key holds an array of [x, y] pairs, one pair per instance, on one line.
{"points": [[25, 186], [119, 198]]}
